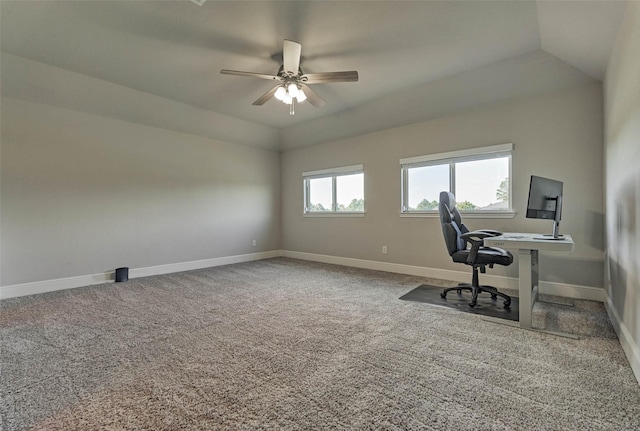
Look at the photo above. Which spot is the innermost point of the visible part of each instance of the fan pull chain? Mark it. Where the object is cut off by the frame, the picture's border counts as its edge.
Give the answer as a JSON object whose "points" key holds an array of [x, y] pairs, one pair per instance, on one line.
{"points": [[291, 107]]}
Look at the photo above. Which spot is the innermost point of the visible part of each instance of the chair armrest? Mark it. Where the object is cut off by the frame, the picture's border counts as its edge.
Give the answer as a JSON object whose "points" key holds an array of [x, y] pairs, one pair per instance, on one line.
{"points": [[478, 234], [476, 239], [490, 231]]}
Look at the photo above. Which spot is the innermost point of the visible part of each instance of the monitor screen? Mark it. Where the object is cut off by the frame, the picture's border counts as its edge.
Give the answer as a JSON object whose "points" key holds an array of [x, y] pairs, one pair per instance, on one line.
{"points": [[545, 202], [543, 198]]}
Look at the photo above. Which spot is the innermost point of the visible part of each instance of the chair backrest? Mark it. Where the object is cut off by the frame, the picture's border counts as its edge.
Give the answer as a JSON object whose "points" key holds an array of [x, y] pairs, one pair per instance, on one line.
{"points": [[452, 226]]}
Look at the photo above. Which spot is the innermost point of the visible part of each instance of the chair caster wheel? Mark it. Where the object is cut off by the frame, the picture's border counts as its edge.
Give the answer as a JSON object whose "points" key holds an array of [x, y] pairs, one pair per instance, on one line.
{"points": [[459, 291], [472, 304], [507, 304], [494, 296], [443, 295]]}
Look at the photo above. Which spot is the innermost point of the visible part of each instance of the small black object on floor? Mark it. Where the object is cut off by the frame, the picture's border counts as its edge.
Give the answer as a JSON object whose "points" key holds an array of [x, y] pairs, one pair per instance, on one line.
{"points": [[485, 306]]}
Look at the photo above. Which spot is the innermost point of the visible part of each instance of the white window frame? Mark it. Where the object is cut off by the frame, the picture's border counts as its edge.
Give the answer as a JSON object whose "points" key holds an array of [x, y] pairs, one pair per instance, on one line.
{"points": [[451, 158], [332, 173]]}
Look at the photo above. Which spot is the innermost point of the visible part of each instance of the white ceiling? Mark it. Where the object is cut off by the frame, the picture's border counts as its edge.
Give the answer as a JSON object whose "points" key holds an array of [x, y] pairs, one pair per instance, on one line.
{"points": [[175, 49]]}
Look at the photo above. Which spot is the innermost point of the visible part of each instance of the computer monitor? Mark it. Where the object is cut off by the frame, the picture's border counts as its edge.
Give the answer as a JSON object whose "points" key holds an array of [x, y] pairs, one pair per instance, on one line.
{"points": [[545, 202]]}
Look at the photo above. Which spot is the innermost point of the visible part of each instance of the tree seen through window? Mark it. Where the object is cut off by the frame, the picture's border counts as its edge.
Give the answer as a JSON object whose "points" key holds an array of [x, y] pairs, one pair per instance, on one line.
{"points": [[502, 195]]}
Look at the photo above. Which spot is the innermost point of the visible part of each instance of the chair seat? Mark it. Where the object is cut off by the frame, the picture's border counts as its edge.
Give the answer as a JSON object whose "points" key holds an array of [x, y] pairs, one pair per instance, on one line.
{"points": [[486, 256]]}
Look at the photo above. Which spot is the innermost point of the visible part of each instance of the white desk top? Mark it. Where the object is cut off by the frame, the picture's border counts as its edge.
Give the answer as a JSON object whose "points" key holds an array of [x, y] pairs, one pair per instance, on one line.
{"points": [[530, 241]]}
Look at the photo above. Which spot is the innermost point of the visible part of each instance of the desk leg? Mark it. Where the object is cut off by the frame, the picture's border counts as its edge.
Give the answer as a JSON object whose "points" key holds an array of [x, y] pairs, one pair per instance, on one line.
{"points": [[534, 277], [526, 276], [528, 291]]}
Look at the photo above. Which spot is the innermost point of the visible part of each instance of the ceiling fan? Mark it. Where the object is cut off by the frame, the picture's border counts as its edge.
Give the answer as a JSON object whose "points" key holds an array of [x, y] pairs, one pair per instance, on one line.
{"points": [[292, 85]]}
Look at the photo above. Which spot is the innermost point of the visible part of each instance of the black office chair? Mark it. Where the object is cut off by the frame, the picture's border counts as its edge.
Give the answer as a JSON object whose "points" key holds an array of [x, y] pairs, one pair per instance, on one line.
{"points": [[456, 237]]}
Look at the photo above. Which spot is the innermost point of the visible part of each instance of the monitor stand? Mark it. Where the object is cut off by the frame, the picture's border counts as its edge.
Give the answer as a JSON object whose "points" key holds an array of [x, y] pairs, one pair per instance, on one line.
{"points": [[555, 236]]}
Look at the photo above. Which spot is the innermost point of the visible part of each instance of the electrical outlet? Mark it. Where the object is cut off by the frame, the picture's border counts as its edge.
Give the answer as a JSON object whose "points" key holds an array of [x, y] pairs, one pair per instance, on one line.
{"points": [[254, 243], [384, 249]]}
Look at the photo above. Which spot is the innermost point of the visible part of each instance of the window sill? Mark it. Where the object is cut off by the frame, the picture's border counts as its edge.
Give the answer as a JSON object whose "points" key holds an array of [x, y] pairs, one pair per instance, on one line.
{"points": [[334, 214], [465, 214]]}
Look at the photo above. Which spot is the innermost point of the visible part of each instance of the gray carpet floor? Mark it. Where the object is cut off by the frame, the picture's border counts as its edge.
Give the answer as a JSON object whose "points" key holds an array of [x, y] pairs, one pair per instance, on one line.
{"points": [[289, 344]]}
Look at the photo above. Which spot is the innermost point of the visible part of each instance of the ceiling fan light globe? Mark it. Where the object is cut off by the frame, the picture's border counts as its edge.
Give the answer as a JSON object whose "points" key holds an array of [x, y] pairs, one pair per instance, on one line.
{"points": [[287, 99], [280, 93], [293, 90], [301, 97]]}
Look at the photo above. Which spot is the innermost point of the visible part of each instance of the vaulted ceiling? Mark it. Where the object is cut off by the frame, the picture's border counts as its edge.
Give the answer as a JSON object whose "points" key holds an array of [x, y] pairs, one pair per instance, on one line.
{"points": [[158, 62]]}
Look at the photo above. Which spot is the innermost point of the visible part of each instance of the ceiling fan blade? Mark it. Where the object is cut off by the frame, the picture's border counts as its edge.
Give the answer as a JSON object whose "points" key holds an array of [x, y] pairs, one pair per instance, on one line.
{"points": [[250, 74], [291, 56], [312, 97], [321, 78], [266, 96]]}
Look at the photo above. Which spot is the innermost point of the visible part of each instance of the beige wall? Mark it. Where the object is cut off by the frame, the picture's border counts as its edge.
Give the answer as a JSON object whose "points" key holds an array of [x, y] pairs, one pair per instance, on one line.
{"points": [[622, 192], [84, 194], [558, 135]]}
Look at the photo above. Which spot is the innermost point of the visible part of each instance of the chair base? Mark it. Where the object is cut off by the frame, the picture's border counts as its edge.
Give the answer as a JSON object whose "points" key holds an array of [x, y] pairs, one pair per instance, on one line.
{"points": [[475, 290]]}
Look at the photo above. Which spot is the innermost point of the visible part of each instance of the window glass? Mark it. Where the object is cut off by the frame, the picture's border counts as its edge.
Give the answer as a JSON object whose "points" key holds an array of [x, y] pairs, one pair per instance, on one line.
{"points": [[425, 184], [482, 184], [478, 177], [350, 192], [335, 190], [320, 194]]}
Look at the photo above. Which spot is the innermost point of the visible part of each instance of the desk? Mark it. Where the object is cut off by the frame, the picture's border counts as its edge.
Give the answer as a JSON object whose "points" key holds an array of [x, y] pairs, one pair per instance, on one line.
{"points": [[528, 246]]}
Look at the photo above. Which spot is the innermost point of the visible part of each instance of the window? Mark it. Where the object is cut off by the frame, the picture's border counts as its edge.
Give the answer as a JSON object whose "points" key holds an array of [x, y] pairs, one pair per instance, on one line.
{"points": [[479, 178], [334, 191]]}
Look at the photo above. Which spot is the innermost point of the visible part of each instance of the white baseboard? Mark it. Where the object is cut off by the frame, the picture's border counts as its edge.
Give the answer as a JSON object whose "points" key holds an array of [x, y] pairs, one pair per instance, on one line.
{"points": [[550, 288], [560, 289], [36, 287], [33, 288], [199, 264], [627, 342]]}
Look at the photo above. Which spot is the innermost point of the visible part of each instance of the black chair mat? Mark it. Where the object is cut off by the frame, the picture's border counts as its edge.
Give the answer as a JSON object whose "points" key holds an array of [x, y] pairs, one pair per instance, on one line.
{"points": [[485, 306]]}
